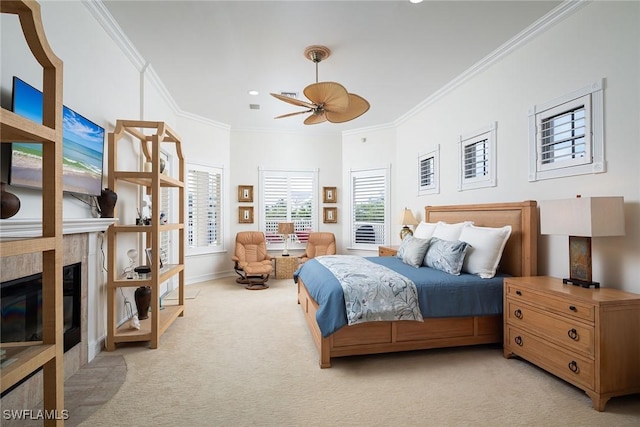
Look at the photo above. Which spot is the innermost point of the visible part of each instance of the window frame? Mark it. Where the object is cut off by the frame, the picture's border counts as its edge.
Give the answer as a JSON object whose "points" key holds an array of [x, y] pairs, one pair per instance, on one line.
{"points": [[354, 173], [219, 246], [434, 186], [294, 242], [488, 179], [593, 162]]}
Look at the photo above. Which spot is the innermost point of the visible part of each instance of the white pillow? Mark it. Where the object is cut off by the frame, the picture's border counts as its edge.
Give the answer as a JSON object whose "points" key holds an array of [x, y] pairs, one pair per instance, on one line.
{"points": [[425, 230], [486, 249], [450, 232]]}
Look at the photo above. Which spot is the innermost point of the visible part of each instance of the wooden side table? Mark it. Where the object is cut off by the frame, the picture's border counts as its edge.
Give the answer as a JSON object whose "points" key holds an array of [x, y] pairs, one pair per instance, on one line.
{"points": [[388, 250], [286, 266]]}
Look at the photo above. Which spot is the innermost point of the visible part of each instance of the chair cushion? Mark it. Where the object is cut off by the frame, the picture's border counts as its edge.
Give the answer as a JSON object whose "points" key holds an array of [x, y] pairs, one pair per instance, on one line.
{"points": [[263, 267]]}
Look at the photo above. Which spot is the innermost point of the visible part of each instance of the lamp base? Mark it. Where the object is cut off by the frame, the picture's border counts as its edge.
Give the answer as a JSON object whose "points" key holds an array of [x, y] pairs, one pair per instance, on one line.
{"points": [[406, 231], [284, 255], [581, 283]]}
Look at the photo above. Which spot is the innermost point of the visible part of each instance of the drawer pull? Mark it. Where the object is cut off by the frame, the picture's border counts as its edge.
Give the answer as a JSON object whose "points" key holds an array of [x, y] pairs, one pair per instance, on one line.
{"points": [[518, 313], [519, 293], [518, 340], [573, 367], [573, 334], [573, 308]]}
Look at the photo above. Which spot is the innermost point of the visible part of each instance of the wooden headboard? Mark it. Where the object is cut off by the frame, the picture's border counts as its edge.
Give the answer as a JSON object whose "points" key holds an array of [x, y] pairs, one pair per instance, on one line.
{"points": [[519, 257]]}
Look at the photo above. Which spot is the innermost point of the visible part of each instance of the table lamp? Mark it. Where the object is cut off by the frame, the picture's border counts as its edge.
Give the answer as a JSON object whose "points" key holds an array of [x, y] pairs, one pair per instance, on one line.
{"points": [[407, 220], [581, 219], [286, 229]]}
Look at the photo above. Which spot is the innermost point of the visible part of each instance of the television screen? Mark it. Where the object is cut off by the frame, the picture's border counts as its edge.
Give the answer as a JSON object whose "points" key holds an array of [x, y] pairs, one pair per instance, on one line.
{"points": [[82, 147]]}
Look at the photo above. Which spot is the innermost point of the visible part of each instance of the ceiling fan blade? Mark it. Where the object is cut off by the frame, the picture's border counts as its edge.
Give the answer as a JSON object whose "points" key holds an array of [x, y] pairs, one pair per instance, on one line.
{"points": [[314, 119], [293, 114], [357, 107], [333, 96], [293, 101]]}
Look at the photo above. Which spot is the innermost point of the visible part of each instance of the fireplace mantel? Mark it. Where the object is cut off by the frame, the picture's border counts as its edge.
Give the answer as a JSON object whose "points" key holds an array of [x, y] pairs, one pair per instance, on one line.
{"points": [[28, 228]]}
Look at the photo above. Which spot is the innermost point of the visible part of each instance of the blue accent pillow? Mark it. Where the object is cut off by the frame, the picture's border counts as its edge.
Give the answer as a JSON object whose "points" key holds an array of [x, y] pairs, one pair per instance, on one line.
{"points": [[413, 250], [446, 255]]}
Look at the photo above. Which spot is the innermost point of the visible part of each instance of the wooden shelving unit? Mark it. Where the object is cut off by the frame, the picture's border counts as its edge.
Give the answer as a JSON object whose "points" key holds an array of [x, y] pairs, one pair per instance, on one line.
{"points": [[47, 354], [151, 136]]}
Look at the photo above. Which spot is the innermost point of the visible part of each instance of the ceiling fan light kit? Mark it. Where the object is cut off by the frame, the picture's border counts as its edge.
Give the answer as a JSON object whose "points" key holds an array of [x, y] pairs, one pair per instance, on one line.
{"points": [[330, 101]]}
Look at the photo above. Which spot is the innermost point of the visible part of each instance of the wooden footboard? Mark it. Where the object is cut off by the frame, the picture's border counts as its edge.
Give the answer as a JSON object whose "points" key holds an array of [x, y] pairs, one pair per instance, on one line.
{"points": [[394, 336], [518, 259]]}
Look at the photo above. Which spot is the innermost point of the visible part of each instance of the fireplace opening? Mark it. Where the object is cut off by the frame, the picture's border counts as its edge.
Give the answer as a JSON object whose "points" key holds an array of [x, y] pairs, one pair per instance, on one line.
{"points": [[21, 303]]}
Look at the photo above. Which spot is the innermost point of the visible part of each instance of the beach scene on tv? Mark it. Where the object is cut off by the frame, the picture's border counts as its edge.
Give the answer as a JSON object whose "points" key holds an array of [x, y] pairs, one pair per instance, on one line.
{"points": [[82, 148]]}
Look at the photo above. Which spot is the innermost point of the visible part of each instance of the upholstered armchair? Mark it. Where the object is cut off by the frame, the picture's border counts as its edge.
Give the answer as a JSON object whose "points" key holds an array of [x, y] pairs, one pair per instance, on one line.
{"points": [[319, 243], [252, 262]]}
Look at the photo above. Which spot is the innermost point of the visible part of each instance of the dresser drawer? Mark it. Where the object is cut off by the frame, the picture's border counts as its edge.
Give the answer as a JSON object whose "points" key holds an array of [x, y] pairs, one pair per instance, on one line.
{"points": [[571, 367], [565, 332], [559, 305]]}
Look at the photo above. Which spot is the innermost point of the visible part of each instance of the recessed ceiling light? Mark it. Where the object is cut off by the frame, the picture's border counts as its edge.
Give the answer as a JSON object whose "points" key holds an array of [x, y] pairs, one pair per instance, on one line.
{"points": [[415, 1], [254, 92]]}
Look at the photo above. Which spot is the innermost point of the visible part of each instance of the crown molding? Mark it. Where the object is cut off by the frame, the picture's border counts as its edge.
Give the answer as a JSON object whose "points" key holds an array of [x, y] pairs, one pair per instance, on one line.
{"points": [[559, 13]]}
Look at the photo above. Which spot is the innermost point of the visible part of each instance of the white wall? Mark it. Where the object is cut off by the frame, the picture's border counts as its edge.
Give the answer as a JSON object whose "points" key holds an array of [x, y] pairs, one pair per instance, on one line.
{"points": [[252, 150], [599, 40]]}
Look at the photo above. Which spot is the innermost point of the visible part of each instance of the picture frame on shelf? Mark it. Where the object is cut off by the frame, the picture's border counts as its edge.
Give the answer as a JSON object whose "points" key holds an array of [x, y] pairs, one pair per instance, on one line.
{"points": [[329, 195], [149, 253], [245, 193], [245, 214], [330, 215]]}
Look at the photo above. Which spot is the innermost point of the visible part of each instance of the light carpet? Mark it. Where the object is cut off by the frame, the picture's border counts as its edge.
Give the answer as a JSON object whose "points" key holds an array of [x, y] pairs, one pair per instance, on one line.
{"points": [[243, 358]]}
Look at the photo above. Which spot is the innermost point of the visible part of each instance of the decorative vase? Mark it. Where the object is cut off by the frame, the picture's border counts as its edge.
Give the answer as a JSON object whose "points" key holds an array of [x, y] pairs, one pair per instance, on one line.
{"points": [[10, 203], [107, 202], [162, 165], [142, 296]]}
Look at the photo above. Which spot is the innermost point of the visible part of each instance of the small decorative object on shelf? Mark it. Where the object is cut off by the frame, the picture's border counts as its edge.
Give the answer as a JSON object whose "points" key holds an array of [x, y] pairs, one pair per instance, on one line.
{"points": [[129, 271], [10, 203], [143, 301], [107, 202]]}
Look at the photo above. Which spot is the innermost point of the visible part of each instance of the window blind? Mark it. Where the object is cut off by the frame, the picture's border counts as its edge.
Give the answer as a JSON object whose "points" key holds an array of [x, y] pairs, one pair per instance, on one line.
{"points": [[476, 159], [369, 207], [204, 200], [564, 136]]}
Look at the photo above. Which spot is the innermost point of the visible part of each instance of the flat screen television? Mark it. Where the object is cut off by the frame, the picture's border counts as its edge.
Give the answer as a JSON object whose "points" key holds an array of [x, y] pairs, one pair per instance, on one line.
{"points": [[82, 147]]}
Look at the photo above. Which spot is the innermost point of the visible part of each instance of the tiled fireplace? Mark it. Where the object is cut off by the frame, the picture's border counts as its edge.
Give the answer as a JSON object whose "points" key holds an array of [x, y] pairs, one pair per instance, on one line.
{"points": [[79, 237]]}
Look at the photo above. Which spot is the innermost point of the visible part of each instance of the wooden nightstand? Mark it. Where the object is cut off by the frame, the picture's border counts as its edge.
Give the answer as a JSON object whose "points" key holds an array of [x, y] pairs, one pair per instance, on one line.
{"points": [[388, 250], [587, 337], [286, 266]]}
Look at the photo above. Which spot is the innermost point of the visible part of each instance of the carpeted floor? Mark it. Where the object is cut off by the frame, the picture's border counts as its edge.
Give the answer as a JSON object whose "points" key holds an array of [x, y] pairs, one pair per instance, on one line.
{"points": [[241, 358]]}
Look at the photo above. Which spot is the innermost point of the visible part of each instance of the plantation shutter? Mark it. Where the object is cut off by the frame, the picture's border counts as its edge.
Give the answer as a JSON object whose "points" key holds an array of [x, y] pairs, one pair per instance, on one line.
{"points": [[204, 210], [369, 207]]}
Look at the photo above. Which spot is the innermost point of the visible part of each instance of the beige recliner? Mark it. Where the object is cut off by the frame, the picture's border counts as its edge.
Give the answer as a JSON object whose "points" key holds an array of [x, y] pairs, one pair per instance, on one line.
{"points": [[319, 243], [252, 262]]}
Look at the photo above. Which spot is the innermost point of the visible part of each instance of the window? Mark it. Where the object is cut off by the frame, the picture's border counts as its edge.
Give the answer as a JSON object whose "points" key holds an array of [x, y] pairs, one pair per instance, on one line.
{"points": [[369, 208], [477, 153], [288, 196], [204, 209], [565, 135], [429, 172]]}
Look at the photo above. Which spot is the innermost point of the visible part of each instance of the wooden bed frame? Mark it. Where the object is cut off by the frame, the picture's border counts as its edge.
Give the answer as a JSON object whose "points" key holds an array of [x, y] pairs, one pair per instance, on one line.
{"points": [[519, 259]]}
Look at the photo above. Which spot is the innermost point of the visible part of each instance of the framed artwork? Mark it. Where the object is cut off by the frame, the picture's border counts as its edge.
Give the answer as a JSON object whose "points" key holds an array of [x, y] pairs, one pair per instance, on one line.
{"points": [[330, 215], [245, 193], [149, 253], [329, 195], [245, 214]]}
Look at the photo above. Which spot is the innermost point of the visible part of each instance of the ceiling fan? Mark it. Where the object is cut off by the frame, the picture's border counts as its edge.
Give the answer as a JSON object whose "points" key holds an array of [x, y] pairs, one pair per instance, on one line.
{"points": [[330, 101]]}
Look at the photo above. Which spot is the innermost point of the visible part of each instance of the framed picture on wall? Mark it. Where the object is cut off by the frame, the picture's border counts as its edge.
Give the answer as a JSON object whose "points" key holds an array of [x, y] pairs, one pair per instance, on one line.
{"points": [[329, 195], [330, 215], [245, 193], [245, 214]]}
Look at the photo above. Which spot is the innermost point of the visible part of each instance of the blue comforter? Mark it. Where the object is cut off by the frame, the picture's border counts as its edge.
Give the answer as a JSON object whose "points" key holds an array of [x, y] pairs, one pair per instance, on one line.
{"points": [[439, 294]]}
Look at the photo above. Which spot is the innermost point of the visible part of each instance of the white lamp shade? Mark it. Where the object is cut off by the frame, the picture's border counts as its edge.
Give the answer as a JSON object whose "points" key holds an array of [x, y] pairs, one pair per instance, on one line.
{"points": [[408, 218], [583, 216]]}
